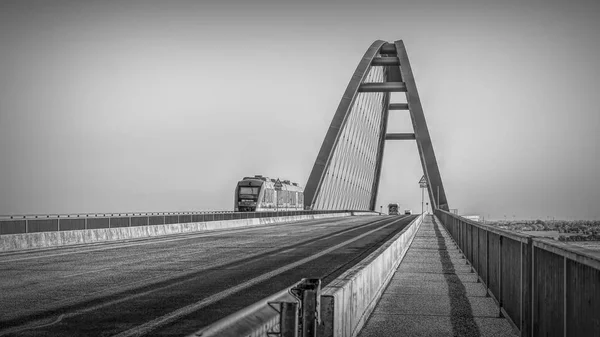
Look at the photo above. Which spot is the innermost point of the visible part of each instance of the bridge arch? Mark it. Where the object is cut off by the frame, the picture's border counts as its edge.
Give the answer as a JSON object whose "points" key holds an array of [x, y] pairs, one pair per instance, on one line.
{"points": [[347, 170]]}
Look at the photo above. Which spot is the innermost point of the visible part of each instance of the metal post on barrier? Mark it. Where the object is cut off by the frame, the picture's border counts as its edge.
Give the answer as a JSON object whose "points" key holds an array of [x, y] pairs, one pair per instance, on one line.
{"points": [[308, 292], [288, 319]]}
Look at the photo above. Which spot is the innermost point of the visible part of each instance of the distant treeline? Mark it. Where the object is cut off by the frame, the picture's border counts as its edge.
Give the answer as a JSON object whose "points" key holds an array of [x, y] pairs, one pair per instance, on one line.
{"points": [[585, 230], [577, 237]]}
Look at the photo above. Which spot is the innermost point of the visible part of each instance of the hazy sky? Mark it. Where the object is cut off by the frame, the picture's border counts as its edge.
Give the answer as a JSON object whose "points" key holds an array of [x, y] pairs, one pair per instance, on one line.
{"points": [[121, 106]]}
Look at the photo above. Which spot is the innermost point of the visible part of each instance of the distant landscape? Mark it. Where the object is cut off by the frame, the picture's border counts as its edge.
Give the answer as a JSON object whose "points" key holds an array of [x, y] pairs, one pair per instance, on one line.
{"points": [[584, 233]]}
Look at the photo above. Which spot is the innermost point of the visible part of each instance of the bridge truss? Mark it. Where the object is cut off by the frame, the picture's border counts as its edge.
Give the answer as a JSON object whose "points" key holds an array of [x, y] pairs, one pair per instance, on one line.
{"points": [[347, 170]]}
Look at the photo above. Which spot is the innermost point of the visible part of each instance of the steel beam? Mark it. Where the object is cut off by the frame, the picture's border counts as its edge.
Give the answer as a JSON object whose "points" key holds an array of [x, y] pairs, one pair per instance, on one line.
{"points": [[388, 48], [430, 168], [380, 150], [398, 106], [383, 87], [385, 61], [400, 136]]}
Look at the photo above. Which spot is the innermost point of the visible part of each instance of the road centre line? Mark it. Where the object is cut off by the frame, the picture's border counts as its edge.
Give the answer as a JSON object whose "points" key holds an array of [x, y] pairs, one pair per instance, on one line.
{"points": [[85, 272]]}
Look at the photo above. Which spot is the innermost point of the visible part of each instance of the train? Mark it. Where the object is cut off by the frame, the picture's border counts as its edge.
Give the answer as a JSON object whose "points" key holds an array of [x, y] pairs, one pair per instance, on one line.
{"points": [[393, 209], [263, 194]]}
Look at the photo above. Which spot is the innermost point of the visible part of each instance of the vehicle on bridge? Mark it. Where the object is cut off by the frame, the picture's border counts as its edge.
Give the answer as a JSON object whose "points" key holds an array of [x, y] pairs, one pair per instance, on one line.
{"points": [[408, 211], [393, 209], [262, 194]]}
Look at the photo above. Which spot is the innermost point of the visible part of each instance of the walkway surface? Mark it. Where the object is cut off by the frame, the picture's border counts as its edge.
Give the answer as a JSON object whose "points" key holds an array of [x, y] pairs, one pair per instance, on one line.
{"points": [[434, 293]]}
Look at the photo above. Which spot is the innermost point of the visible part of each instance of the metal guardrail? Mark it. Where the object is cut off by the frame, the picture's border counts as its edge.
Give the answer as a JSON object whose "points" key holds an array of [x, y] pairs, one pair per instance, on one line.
{"points": [[106, 214], [544, 287], [21, 224], [291, 312]]}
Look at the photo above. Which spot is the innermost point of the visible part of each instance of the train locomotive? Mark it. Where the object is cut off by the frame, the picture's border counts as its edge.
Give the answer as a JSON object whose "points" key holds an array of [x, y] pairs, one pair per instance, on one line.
{"points": [[259, 194], [393, 209]]}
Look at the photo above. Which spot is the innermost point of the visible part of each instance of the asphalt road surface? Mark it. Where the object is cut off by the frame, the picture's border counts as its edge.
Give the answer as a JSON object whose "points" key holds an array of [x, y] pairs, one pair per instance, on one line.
{"points": [[175, 285]]}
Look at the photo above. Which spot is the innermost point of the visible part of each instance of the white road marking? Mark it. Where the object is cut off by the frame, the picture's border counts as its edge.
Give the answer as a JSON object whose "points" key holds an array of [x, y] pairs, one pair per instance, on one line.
{"points": [[85, 272], [31, 326], [285, 251], [175, 315]]}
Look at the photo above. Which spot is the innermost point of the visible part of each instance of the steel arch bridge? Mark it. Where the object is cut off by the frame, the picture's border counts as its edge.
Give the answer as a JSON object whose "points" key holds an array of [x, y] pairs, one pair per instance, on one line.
{"points": [[347, 170]]}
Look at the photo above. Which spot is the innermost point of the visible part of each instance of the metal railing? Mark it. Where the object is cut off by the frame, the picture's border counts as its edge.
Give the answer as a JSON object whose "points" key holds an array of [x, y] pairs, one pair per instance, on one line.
{"points": [[20, 224], [544, 287], [291, 312]]}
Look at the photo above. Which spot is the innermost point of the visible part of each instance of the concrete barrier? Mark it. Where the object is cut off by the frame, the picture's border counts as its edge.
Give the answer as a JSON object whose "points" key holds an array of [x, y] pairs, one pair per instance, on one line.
{"points": [[347, 302], [13, 242], [366, 213]]}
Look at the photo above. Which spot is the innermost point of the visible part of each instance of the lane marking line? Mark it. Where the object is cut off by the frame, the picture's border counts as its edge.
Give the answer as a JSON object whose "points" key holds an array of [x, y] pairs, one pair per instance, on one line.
{"points": [[85, 272], [41, 324]]}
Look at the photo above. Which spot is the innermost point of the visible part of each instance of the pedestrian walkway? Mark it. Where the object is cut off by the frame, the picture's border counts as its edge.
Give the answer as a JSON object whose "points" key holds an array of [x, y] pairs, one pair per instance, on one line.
{"points": [[435, 293]]}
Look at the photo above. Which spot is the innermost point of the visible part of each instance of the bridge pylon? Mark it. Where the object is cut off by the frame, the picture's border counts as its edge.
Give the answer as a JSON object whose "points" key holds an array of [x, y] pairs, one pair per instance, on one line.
{"points": [[347, 170]]}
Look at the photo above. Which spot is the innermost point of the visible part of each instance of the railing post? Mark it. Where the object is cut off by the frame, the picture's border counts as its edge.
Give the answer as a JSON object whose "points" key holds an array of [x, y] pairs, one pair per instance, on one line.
{"points": [[565, 296], [469, 243], [533, 289], [463, 241], [487, 263], [478, 255], [526, 263], [288, 319], [309, 294], [500, 276]]}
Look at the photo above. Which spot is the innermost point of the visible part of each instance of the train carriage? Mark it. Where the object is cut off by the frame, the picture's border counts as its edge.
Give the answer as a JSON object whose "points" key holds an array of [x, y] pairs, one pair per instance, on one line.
{"points": [[393, 209], [258, 194]]}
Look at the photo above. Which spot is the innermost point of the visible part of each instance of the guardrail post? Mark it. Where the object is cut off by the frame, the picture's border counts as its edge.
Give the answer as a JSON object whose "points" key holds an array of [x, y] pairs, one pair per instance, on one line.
{"points": [[565, 296], [533, 289], [469, 249], [500, 275], [309, 294], [288, 319], [487, 263], [478, 254], [526, 284]]}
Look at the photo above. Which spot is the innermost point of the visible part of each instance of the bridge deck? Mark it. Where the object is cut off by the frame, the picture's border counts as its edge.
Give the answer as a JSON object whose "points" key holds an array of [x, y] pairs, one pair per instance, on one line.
{"points": [[434, 293]]}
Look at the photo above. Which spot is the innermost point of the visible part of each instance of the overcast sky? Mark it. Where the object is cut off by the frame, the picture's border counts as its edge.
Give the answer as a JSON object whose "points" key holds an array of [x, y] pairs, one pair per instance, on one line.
{"points": [[121, 106]]}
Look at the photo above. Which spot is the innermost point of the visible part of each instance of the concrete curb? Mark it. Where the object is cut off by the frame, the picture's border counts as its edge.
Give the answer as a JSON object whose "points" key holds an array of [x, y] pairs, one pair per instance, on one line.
{"points": [[348, 301], [14, 242]]}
